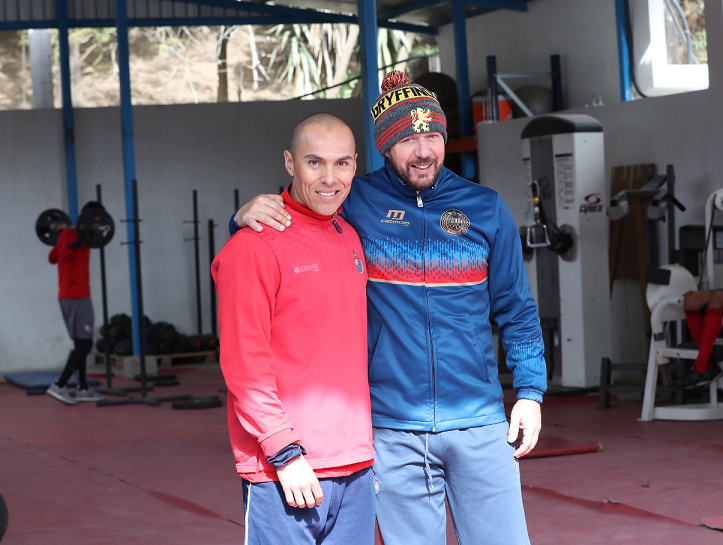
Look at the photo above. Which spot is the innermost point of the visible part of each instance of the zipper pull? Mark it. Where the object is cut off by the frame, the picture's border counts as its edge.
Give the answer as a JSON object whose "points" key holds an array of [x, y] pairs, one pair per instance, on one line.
{"points": [[420, 204], [336, 225]]}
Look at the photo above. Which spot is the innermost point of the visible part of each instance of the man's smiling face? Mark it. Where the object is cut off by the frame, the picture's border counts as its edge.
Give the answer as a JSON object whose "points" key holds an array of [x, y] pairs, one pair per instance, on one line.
{"points": [[323, 164], [417, 159]]}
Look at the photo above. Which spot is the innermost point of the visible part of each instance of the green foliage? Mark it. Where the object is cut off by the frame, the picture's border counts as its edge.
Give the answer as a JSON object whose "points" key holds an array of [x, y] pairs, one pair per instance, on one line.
{"points": [[303, 51]]}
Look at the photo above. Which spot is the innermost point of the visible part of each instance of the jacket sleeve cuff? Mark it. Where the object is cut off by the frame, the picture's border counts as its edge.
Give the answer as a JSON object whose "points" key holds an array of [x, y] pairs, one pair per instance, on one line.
{"points": [[232, 227], [274, 442], [527, 393], [286, 455]]}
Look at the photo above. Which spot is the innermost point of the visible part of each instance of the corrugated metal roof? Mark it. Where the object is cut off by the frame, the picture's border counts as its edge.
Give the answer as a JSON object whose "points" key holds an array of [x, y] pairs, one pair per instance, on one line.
{"points": [[416, 12]]}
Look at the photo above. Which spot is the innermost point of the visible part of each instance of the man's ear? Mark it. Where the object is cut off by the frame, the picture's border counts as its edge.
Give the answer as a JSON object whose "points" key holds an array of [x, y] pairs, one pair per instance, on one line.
{"points": [[289, 162]]}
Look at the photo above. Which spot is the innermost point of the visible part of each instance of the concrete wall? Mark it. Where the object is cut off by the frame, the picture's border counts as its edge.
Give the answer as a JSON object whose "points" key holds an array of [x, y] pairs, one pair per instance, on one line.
{"points": [[582, 33], [683, 130], [213, 148]]}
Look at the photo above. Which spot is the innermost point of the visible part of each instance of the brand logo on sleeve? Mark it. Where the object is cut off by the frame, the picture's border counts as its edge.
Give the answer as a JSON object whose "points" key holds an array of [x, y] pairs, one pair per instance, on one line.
{"points": [[358, 262], [397, 217], [454, 222]]}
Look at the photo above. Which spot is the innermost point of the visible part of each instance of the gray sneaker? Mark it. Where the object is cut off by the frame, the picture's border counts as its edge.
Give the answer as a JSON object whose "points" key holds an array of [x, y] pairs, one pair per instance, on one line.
{"points": [[61, 394], [87, 395]]}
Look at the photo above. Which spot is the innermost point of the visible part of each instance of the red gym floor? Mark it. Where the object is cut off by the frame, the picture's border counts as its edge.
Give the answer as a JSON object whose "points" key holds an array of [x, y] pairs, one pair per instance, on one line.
{"points": [[136, 474]]}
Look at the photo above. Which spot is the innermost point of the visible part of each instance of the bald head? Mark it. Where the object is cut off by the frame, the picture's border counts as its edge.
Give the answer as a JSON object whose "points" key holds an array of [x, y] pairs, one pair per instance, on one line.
{"points": [[322, 120]]}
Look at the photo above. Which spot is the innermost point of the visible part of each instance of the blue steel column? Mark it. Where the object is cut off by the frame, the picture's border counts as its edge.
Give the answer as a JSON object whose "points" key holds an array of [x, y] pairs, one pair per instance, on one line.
{"points": [[68, 125], [129, 155], [370, 77], [464, 102], [626, 91]]}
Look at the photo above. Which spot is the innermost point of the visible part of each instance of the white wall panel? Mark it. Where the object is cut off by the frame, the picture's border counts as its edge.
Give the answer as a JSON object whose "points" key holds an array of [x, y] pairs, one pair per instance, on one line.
{"points": [[582, 33]]}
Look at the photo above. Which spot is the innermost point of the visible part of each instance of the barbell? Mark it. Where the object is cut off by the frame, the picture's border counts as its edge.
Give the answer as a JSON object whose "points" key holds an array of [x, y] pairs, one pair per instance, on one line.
{"points": [[94, 228]]}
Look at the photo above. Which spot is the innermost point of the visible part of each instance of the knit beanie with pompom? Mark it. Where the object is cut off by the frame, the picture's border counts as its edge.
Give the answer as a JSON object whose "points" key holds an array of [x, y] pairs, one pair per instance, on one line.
{"points": [[404, 109]]}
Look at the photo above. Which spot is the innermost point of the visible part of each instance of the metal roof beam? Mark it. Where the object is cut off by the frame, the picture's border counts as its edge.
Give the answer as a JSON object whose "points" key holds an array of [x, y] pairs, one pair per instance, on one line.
{"points": [[408, 27], [307, 15], [26, 25], [259, 7], [485, 6], [514, 5], [409, 8], [181, 21], [276, 15]]}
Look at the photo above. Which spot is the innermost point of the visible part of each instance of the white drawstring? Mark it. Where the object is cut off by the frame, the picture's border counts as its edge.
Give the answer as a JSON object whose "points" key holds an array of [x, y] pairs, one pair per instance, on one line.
{"points": [[426, 463]]}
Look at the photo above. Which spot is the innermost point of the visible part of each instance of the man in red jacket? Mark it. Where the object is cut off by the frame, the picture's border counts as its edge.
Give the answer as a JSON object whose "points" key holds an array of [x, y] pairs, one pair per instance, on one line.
{"points": [[292, 320], [73, 261]]}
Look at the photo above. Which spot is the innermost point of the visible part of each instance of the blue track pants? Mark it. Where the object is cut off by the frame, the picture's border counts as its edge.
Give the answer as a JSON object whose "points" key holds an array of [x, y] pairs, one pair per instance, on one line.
{"points": [[346, 516], [473, 468]]}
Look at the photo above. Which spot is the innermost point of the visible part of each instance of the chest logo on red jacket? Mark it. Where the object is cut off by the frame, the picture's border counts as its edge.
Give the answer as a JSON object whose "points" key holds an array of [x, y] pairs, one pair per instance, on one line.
{"points": [[454, 222], [358, 262]]}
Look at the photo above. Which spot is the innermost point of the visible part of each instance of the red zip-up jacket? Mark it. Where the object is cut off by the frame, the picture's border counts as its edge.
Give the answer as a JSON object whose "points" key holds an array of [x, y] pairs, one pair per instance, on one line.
{"points": [[292, 322], [73, 264]]}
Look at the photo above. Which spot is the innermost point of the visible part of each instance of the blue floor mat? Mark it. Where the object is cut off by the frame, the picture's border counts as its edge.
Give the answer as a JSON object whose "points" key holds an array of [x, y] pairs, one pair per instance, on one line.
{"points": [[32, 380]]}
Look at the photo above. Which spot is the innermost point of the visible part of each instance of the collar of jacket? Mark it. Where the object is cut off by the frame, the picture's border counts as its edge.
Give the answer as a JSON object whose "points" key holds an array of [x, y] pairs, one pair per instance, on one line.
{"points": [[305, 211], [428, 194]]}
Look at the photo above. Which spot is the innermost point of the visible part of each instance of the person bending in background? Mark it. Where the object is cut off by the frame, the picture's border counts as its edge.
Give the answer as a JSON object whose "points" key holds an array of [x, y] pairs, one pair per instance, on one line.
{"points": [[704, 330], [292, 324], [73, 260]]}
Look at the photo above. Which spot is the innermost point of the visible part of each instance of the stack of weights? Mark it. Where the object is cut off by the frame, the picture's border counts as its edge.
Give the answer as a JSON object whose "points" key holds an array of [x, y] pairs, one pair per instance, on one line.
{"points": [[161, 338]]}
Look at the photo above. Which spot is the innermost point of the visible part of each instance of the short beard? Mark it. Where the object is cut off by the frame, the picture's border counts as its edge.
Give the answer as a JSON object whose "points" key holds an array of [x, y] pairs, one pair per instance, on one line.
{"points": [[423, 186]]}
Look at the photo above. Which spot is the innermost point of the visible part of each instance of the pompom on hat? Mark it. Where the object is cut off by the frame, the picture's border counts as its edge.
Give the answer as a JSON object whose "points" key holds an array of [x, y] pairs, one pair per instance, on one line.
{"points": [[404, 109]]}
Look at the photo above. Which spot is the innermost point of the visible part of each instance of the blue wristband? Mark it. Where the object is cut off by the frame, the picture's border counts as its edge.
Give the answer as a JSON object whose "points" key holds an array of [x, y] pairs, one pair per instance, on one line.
{"points": [[286, 455]]}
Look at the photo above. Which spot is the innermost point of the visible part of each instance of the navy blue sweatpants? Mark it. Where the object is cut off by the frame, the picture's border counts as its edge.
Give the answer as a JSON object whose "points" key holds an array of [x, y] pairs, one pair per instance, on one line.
{"points": [[346, 516]]}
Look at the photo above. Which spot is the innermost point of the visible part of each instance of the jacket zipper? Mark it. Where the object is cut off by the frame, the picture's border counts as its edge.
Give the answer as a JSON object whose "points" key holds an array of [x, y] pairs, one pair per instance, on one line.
{"points": [[420, 204], [336, 225]]}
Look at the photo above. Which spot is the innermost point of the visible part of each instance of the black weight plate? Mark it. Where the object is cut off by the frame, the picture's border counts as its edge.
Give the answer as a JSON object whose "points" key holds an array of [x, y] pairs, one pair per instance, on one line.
{"points": [[208, 402], [95, 228], [49, 224]]}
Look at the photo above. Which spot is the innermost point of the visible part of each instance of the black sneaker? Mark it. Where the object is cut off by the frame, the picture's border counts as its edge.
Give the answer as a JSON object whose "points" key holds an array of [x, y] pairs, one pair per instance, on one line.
{"points": [[694, 379]]}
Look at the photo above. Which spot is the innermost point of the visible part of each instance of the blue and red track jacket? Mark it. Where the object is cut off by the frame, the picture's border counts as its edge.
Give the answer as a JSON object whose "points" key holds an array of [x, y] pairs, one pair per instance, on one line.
{"points": [[440, 263]]}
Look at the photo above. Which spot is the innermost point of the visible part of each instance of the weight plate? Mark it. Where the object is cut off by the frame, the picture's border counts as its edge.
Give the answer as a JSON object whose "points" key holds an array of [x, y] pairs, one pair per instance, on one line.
{"points": [[95, 228], [49, 224]]}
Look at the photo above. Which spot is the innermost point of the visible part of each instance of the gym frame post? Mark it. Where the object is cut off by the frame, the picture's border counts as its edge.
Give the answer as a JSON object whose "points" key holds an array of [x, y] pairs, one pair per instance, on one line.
{"points": [[129, 158], [464, 102], [68, 123], [626, 90], [370, 78]]}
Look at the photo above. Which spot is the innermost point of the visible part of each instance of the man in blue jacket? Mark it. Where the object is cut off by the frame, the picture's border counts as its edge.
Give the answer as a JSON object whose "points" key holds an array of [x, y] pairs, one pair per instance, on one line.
{"points": [[443, 256]]}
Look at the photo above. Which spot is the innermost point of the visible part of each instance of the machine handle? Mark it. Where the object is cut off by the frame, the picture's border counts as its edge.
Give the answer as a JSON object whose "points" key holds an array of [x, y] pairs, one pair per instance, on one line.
{"points": [[530, 237]]}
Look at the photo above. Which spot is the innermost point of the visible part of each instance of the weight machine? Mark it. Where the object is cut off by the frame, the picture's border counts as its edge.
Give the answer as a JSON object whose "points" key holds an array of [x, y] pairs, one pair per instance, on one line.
{"points": [[566, 243]]}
